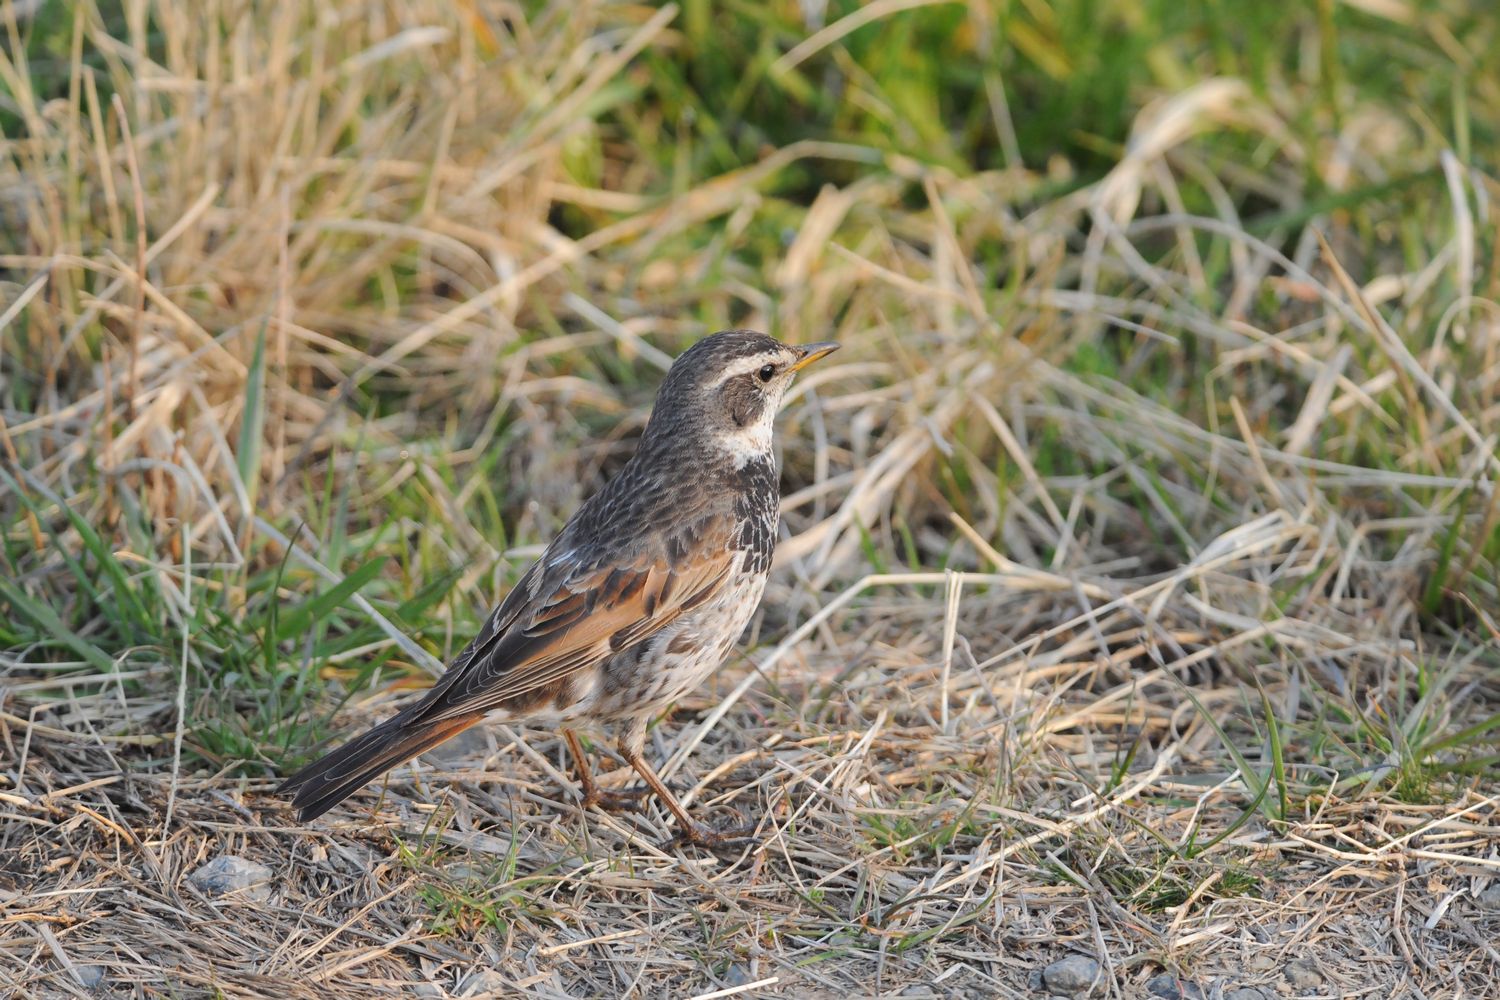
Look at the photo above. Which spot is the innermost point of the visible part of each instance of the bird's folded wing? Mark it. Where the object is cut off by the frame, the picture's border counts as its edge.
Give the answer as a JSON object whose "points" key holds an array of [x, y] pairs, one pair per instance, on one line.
{"points": [[556, 623]]}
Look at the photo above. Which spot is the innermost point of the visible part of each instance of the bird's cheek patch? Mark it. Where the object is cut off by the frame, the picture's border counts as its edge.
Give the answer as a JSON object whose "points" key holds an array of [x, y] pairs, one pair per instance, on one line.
{"points": [[743, 401]]}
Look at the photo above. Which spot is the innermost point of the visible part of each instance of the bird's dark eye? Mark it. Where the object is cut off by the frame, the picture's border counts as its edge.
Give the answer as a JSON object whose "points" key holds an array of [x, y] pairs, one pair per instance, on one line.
{"points": [[767, 373]]}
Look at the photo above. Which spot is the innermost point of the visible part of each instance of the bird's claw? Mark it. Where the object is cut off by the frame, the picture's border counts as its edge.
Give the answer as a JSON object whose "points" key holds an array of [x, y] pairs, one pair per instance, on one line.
{"points": [[612, 800], [735, 838]]}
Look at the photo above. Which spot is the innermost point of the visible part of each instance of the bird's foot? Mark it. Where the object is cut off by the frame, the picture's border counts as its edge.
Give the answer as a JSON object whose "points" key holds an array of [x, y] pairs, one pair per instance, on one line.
{"points": [[615, 800], [733, 838]]}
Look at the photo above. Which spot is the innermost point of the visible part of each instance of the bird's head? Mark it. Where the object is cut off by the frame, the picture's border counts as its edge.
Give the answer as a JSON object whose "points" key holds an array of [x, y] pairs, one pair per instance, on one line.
{"points": [[726, 389]]}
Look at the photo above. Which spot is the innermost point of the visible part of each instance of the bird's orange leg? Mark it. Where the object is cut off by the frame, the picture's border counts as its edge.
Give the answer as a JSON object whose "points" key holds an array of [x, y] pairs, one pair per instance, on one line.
{"points": [[593, 795], [690, 829]]}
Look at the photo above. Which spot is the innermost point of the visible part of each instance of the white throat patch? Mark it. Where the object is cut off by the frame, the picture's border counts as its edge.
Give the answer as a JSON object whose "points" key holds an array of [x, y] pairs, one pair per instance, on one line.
{"points": [[750, 442], [745, 443]]}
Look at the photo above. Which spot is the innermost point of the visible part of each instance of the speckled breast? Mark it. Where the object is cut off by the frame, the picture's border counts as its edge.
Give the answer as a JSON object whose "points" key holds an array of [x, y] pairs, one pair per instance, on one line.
{"points": [[649, 676]]}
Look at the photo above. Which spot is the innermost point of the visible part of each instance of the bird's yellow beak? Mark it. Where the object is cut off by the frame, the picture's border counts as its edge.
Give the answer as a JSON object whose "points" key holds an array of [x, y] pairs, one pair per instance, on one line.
{"points": [[812, 352]]}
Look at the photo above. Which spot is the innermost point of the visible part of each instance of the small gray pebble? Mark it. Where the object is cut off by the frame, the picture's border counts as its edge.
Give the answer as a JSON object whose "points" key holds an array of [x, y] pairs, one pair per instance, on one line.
{"points": [[1034, 980], [738, 975], [1168, 987], [1164, 986], [1490, 898], [228, 874], [1072, 976], [1303, 975], [91, 977], [1245, 993], [429, 990]]}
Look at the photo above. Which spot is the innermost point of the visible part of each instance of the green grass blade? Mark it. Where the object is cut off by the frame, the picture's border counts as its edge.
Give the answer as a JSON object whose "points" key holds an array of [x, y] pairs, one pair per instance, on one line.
{"points": [[1432, 594], [315, 609], [45, 617], [253, 419]]}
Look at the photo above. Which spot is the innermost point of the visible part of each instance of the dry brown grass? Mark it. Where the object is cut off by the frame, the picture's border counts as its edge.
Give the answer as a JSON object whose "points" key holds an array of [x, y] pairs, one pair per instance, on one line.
{"points": [[1137, 597]]}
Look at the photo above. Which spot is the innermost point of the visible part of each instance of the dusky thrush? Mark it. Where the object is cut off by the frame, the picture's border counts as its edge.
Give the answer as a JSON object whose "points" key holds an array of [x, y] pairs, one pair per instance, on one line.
{"points": [[639, 597]]}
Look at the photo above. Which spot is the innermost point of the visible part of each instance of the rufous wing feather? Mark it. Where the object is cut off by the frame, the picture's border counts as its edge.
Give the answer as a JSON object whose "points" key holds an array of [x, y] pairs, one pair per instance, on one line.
{"points": [[559, 619]]}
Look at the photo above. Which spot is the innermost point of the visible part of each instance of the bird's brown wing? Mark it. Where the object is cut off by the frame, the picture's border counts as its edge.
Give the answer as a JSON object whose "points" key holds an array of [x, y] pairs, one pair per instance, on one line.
{"points": [[566, 614], [563, 617]]}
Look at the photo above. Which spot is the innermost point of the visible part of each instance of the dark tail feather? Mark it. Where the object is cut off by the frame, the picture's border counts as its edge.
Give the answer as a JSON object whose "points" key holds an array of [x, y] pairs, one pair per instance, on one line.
{"points": [[328, 781]]}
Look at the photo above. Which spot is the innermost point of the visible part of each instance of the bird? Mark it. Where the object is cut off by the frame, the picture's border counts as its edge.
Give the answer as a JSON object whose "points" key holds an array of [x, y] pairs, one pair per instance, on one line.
{"points": [[635, 602]]}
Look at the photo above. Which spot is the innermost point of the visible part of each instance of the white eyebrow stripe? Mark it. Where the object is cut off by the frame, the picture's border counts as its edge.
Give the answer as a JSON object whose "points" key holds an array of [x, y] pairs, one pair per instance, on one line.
{"points": [[744, 366]]}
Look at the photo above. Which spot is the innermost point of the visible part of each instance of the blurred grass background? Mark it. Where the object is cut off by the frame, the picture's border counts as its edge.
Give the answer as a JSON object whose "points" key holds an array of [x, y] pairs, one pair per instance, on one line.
{"points": [[317, 321]]}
